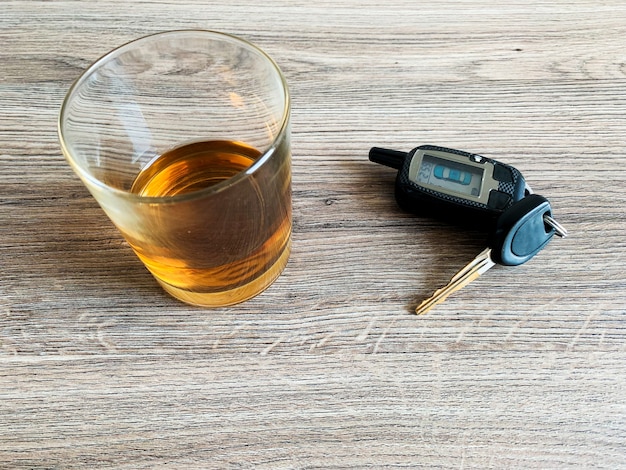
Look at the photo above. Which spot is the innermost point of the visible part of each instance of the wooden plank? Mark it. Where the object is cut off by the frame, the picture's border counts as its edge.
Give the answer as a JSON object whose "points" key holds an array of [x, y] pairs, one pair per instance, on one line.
{"points": [[329, 368]]}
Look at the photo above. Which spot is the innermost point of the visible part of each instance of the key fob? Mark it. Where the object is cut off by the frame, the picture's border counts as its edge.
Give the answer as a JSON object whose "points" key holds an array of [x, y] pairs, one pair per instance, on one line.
{"points": [[521, 231]]}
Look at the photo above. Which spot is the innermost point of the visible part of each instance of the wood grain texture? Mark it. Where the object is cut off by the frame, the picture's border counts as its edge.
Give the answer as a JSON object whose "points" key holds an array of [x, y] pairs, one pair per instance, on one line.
{"points": [[329, 369]]}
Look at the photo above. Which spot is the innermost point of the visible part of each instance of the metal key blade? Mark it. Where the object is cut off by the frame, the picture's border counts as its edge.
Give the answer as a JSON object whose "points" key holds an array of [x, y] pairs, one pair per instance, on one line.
{"points": [[473, 270]]}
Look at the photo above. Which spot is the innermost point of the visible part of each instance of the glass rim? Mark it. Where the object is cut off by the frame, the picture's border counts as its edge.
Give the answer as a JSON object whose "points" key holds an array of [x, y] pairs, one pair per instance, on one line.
{"points": [[113, 53]]}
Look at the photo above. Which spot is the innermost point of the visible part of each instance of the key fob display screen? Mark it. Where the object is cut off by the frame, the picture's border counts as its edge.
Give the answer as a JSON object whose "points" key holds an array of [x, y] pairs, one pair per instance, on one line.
{"points": [[449, 176], [456, 174]]}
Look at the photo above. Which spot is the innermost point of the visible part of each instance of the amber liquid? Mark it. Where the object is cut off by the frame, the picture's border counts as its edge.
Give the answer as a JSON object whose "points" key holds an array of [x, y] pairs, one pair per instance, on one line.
{"points": [[227, 238]]}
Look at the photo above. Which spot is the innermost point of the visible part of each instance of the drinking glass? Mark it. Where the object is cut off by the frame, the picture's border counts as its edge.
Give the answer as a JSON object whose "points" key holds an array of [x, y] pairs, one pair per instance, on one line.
{"points": [[183, 139]]}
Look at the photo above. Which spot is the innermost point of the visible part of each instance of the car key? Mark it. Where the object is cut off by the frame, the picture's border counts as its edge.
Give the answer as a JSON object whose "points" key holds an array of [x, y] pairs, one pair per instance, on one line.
{"points": [[521, 232], [474, 191]]}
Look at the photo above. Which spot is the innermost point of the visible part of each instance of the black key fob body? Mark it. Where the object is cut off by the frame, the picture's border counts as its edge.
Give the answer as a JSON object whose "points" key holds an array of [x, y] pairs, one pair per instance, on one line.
{"points": [[451, 185]]}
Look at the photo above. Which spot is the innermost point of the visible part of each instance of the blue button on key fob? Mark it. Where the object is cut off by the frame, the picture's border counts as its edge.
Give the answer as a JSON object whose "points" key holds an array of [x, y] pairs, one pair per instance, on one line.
{"points": [[521, 231]]}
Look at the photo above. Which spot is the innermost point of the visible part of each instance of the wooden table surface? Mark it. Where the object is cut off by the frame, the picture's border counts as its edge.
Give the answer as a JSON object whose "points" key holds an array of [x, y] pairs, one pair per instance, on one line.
{"points": [[329, 368]]}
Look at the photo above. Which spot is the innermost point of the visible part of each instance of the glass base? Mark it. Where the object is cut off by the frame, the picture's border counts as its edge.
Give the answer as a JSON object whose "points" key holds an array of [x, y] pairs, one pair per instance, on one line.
{"points": [[233, 296]]}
